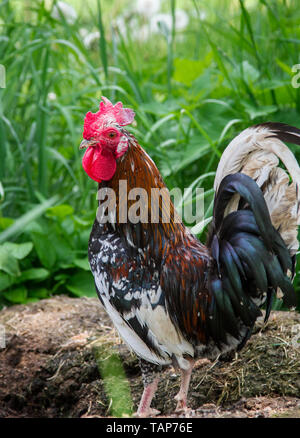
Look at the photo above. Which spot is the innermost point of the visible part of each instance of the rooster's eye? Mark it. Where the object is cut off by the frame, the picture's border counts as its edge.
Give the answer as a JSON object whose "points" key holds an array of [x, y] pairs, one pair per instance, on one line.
{"points": [[112, 134]]}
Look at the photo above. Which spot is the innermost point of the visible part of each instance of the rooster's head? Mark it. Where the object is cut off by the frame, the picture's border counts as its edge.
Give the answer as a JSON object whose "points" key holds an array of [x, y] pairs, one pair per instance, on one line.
{"points": [[104, 139]]}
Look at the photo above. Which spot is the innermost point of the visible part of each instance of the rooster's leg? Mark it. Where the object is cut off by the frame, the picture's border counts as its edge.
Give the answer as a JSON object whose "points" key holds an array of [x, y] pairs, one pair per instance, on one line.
{"points": [[150, 381], [144, 409], [184, 387]]}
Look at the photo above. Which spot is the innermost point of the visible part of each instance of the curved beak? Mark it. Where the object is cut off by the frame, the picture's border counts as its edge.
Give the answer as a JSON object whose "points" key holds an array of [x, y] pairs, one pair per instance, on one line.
{"points": [[86, 143]]}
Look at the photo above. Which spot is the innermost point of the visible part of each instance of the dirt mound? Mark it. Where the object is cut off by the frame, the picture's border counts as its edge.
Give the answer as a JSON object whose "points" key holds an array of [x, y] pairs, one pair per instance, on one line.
{"points": [[63, 359]]}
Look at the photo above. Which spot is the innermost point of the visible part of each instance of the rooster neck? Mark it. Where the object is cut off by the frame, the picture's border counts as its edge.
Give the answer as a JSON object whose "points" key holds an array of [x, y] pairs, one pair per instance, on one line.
{"points": [[157, 223]]}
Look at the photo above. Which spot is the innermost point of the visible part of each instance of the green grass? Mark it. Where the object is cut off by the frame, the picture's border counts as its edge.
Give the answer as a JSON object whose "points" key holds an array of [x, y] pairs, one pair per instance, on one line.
{"points": [[192, 91]]}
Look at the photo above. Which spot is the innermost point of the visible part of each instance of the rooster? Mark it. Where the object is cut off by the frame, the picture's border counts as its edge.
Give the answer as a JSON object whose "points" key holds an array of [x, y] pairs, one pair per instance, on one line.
{"points": [[173, 299]]}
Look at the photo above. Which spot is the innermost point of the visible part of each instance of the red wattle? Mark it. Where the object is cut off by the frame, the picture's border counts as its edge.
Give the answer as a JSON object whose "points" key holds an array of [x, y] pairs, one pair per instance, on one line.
{"points": [[99, 165]]}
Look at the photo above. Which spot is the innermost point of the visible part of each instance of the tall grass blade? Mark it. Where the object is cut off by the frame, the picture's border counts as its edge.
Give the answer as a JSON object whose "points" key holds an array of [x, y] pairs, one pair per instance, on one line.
{"points": [[102, 41]]}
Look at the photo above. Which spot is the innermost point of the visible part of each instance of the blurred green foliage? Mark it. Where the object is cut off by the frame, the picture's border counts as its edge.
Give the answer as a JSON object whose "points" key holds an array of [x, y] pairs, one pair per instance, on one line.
{"points": [[51, 258], [193, 89]]}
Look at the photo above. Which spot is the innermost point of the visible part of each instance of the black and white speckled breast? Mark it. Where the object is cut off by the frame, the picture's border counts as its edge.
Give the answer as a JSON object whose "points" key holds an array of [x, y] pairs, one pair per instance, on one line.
{"points": [[128, 285]]}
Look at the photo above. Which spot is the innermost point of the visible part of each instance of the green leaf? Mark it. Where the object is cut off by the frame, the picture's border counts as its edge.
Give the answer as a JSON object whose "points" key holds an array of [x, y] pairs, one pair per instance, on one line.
{"points": [[8, 262], [250, 73], [262, 110], [6, 281], [82, 284], [82, 263], [17, 295], [39, 274], [160, 108], [197, 148], [45, 250], [64, 252], [18, 250], [187, 70], [61, 277], [68, 225], [34, 227], [157, 125], [60, 211], [5, 222]]}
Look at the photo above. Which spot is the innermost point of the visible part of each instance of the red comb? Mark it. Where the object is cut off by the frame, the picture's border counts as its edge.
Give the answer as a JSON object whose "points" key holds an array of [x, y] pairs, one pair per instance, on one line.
{"points": [[107, 114]]}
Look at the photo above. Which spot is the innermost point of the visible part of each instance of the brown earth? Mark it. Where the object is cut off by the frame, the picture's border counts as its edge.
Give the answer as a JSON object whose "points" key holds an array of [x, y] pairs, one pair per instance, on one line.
{"points": [[61, 357]]}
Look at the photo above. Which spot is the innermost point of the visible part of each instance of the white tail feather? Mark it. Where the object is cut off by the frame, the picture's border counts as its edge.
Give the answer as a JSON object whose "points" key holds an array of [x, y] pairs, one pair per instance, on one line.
{"points": [[256, 152]]}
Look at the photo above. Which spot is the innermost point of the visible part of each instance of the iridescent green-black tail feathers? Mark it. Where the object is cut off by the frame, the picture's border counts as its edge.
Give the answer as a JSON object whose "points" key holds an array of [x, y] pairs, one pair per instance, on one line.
{"points": [[250, 260]]}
